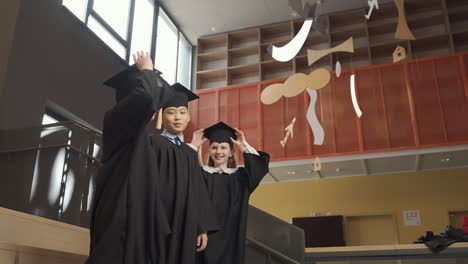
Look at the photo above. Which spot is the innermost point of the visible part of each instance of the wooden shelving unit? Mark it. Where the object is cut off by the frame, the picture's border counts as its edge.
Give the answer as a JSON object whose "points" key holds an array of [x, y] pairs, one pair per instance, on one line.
{"points": [[241, 57]]}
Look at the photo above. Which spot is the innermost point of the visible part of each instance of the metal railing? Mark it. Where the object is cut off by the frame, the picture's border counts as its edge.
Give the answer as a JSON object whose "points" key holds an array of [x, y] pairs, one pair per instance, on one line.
{"points": [[270, 253], [49, 171]]}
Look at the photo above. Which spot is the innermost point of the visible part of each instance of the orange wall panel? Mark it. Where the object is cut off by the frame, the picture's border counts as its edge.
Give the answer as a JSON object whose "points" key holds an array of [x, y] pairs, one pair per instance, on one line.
{"points": [[452, 98], [374, 119], [325, 109], [427, 102], [410, 104], [346, 133], [397, 106]]}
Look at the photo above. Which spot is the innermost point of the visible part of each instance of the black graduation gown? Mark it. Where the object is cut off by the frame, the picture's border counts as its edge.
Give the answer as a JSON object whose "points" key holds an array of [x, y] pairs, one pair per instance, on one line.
{"points": [[230, 195], [130, 221]]}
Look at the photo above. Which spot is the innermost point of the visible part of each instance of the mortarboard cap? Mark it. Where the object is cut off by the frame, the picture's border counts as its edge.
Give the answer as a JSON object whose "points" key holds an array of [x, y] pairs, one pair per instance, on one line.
{"points": [[124, 81], [220, 133], [182, 96]]}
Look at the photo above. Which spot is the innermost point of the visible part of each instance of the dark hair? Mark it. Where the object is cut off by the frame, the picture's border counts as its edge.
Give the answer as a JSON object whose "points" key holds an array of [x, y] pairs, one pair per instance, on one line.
{"points": [[231, 160]]}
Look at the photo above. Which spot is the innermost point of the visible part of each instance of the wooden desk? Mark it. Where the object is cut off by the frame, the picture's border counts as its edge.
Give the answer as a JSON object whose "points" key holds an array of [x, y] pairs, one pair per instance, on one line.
{"points": [[405, 251]]}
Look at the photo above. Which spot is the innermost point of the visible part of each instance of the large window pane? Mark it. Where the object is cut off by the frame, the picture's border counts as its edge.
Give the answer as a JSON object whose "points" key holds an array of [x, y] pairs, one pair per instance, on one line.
{"points": [[115, 13], [142, 27], [184, 65], [77, 7], [166, 48], [107, 37]]}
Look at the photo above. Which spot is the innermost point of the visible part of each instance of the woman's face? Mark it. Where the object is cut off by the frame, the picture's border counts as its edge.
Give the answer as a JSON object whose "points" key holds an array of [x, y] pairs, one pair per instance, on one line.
{"points": [[220, 153]]}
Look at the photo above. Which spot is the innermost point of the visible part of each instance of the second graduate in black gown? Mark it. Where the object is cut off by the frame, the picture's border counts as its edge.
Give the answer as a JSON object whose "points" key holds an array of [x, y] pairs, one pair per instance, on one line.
{"points": [[230, 188]]}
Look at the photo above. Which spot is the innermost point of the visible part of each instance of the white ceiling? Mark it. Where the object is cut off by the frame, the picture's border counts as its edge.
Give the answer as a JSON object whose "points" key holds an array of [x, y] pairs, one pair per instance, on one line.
{"points": [[370, 164], [206, 17]]}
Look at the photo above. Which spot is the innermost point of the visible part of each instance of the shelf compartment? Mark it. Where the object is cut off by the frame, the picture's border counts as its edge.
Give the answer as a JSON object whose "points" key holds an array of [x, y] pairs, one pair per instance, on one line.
{"points": [[347, 21], [303, 67], [431, 46], [211, 79], [459, 22], [359, 58], [383, 54], [244, 38], [244, 56], [276, 33], [212, 60], [460, 42], [276, 70], [244, 74], [212, 43], [431, 26]]}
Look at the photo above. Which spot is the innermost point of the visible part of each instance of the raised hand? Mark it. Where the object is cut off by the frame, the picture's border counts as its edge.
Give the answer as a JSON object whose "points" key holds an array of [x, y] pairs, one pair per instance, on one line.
{"points": [[197, 138], [240, 138], [143, 60]]}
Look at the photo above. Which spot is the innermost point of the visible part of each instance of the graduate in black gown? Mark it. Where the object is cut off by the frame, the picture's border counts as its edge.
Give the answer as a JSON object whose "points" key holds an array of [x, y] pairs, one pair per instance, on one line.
{"points": [[229, 187], [151, 204]]}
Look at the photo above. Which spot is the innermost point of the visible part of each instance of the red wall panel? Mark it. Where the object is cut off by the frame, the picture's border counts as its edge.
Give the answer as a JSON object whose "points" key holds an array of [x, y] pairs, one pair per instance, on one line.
{"points": [[346, 133], [452, 98], [427, 102], [416, 103], [295, 108], [374, 118], [273, 128], [397, 106], [325, 114]]}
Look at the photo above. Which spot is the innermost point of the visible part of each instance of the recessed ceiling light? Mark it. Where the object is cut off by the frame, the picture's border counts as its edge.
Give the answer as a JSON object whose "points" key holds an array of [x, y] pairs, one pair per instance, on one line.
{"points": [[447, 159], [213, 29], [338, 169], [291, 172]]}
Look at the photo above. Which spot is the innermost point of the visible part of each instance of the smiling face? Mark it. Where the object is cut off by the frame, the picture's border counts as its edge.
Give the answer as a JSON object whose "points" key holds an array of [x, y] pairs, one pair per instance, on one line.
{"points": [[176, 119], [220, 153]]}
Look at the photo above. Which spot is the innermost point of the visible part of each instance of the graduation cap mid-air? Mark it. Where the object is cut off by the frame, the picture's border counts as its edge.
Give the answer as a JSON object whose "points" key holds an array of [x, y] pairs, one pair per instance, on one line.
{"points": [[220, 133]]}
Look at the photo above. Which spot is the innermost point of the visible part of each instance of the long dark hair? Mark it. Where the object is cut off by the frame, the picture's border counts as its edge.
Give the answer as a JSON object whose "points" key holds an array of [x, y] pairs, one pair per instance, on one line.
{"points": [[231, 160]]}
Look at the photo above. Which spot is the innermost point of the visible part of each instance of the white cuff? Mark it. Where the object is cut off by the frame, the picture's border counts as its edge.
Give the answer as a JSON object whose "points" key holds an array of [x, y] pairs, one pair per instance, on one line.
{"points": [[246, 148], [193, 147]]}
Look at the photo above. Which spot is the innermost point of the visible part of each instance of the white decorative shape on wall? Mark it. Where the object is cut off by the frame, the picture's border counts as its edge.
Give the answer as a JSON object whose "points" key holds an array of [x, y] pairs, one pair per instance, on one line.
{"points": [[314, 123], [290, 50]]}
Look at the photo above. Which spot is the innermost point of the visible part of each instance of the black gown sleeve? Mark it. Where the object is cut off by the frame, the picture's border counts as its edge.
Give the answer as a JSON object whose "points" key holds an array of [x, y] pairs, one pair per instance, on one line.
{"points": [[255, 168], [129, 116]]}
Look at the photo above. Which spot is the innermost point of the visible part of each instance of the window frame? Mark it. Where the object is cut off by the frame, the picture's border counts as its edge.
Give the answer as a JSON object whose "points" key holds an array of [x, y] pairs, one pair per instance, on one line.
{"points": [[127, 43]]}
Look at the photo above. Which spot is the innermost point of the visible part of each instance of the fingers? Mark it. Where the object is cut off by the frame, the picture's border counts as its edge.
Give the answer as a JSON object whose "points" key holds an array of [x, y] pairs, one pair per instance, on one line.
{"points": [[234, 141], [203, 244], [140, 55], [199, 241]]}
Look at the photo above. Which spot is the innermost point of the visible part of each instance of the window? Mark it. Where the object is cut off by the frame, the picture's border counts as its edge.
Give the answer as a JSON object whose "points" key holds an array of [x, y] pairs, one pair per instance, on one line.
{"points": [[47, 120], [142, 27], [78, 8], [107, 37], [166, 47], [184, 65], [128, 26], [115, 13]]}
